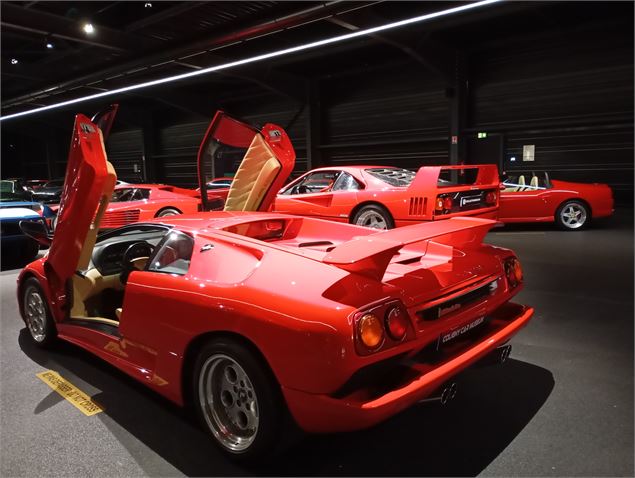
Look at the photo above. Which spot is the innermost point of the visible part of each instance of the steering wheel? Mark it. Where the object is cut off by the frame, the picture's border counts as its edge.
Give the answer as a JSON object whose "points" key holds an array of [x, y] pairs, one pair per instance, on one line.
{"points": [[136, 251]]}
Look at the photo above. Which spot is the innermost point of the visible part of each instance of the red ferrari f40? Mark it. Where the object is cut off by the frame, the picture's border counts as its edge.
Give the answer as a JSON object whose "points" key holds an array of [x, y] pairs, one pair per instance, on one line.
{"points": [[383, 197], [246, 315]]}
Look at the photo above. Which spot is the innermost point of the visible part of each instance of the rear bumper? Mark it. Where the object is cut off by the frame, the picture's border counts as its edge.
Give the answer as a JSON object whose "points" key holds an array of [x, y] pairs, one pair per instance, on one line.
{"points": [[317, 413]]}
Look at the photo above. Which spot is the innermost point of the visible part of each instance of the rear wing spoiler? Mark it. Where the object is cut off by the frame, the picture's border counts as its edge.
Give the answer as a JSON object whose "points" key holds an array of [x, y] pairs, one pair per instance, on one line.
{"points": [[370, 255], [427, 177]]}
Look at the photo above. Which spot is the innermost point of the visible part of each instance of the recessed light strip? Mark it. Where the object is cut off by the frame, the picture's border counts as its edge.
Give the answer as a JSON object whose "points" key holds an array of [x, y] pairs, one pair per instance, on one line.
{"points": [[253, 59]]}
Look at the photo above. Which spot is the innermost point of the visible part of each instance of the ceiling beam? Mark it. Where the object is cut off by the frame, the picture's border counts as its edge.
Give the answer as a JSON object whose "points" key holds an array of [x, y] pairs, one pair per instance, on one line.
{"points": [[439, 59], [42, 23], [225, 37]]}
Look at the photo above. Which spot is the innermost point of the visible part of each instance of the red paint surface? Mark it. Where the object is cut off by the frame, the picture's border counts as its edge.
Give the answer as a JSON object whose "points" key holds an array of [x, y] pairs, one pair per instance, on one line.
{"points": [[406, 205], [295, 296], [541, 205]]}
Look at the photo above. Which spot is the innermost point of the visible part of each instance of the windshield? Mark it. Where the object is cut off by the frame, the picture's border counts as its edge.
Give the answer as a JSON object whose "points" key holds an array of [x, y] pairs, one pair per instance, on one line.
{"points": [[393, 176], [9, 191]]}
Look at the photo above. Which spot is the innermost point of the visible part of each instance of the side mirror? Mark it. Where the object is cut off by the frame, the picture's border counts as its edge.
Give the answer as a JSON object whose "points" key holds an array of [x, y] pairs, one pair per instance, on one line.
{"points": [[37, 231], [502, 186]]}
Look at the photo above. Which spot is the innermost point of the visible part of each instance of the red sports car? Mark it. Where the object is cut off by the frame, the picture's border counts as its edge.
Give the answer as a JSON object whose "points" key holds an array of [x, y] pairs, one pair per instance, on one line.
{"points": [[140, 202], [534, 197], [246, 314], [383, 197]]}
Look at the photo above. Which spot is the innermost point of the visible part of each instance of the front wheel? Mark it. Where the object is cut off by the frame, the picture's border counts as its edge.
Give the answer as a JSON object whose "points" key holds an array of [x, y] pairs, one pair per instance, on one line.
{"points": [[237, 400], [374, 216], [36, 314], [572, 216]]}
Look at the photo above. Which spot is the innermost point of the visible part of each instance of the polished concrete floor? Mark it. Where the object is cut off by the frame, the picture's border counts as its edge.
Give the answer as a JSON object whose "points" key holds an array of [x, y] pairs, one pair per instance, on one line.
{"points": [[562, 406]]}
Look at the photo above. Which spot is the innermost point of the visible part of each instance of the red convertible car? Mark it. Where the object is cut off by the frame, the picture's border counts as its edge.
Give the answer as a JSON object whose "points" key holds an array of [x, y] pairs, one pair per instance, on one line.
{"points": [[534, 197], [383, 197], [244, 314]]}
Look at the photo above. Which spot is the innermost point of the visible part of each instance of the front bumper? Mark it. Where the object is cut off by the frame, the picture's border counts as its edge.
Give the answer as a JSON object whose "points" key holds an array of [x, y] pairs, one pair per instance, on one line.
{"points": [[317, 413]]}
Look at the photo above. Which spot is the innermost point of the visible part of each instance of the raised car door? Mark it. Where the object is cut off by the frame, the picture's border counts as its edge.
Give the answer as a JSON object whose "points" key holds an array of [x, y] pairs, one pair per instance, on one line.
{"points": [[260, 158], [88, 185]]}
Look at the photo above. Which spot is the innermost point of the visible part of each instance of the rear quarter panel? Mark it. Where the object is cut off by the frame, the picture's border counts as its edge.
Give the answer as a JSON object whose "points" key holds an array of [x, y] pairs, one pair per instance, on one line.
{"points": [[277, 306]]}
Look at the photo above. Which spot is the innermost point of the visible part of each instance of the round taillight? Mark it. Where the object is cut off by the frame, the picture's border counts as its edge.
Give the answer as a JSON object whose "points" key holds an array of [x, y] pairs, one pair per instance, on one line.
{"points": [[439, 204], [447, 203], [490, 197], [514, 272], [371, 331], [518, 270], [396, 323]]}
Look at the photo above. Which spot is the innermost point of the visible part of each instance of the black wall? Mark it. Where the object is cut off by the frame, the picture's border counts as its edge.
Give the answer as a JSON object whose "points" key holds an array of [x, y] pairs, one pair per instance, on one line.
{"points": [[566, 88]]}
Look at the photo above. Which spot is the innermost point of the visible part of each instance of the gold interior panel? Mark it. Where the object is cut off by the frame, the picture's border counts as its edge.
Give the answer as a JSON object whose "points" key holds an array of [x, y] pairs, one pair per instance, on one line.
{"points": [[254, 177]]}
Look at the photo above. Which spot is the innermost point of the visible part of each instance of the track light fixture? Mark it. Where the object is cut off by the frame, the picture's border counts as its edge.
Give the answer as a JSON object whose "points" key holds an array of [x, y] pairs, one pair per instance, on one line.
{"points": [[253, 59]]}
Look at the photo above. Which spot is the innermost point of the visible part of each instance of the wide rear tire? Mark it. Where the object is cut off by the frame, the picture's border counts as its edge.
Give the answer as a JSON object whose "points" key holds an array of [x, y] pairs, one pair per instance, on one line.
{"points": [[237, 400], [374, 216], [168, 211]]}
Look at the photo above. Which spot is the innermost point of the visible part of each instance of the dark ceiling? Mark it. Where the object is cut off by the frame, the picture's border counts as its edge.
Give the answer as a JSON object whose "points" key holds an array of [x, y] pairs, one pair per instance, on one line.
{"points": [[136, 41]]}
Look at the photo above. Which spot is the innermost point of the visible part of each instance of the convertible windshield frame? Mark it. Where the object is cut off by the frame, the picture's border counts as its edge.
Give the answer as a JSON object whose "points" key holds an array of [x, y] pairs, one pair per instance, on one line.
{"points": [[107, 234]]}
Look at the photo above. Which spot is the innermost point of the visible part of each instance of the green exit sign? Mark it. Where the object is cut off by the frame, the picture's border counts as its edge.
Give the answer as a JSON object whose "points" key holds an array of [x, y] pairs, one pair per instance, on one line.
{"points": [[481, 135]]}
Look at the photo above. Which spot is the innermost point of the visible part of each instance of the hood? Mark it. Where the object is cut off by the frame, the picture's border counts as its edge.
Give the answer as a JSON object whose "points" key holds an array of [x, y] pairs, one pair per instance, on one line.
{"points": [[265, 156]]}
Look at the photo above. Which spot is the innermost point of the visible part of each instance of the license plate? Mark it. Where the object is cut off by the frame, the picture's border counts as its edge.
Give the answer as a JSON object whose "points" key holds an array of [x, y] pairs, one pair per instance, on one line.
{"points": [[467, 200], [450, 335]]}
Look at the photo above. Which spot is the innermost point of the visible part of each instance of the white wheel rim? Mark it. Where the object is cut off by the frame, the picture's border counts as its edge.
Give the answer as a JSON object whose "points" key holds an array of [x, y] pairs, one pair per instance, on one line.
{"points": [[229, 402], [372, 219], [168, 213], [573, 216], [35, 314]]}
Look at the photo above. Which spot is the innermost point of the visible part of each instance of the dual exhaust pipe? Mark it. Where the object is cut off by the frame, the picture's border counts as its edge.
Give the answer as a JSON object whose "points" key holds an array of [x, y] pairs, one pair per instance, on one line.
{"points": [[448, 391]]}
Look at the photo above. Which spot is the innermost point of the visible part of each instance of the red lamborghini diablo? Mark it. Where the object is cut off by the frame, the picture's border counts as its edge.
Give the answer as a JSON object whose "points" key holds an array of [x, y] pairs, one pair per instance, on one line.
{"points": [[246, 314]]}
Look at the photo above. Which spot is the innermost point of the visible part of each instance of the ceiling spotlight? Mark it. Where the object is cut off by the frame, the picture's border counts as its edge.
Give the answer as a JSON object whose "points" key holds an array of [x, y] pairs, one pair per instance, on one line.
{"points": [[88, 28], [147, 5], [14, 61], [49, 43]]}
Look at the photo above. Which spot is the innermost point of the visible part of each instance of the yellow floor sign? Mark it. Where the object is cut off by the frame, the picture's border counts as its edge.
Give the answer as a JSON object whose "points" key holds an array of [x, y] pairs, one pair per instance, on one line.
{"points": [[71, 393]]}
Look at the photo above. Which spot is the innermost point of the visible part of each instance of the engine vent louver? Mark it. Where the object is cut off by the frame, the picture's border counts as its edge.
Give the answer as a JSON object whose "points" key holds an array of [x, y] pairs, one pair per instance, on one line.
{"points": [[113, 219], [418, 206]]}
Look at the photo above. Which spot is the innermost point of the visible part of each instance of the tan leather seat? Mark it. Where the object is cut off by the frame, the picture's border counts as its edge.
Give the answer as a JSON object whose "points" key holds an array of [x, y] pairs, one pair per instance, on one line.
{"points": [[534, 182], [257, 171], [521, 183]]}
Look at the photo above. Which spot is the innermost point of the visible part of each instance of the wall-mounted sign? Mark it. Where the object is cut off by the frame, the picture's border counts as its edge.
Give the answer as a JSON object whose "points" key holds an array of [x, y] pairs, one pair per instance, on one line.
{"points": [[481, 135], [529, 152]]}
